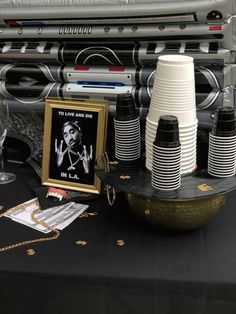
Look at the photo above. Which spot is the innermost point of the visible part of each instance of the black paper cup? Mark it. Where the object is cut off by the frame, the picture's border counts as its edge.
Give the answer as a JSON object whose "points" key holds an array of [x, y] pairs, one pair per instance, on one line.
{"points": [[166, 188], [160, 177], [221, 174], [224, 122], [128, 166], [166, 167], [221, 163], [125, 108], [126, 123], [167, 134]]}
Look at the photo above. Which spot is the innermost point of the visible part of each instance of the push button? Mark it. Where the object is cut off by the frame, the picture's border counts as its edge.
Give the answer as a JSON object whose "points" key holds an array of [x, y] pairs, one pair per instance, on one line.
{"points": [[120, 29]]}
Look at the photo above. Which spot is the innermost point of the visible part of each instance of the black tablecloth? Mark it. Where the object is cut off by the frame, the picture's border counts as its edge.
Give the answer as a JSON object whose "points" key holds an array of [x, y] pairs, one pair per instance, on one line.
{"points": [[153, 272]]}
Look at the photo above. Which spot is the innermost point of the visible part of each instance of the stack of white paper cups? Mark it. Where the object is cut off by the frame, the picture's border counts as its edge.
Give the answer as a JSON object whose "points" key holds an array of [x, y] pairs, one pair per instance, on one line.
{"points": [[166, 155], [222, 144], [127, 130], [174, 94]]}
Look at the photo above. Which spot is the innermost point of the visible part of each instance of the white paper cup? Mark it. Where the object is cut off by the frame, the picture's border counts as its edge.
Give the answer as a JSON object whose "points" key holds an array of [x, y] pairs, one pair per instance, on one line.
{"points": [[174, 83], [183, 126], [164, 97], [176, 105], [190, 144], [187, 150], [184, 116], [189, 156], [188, 126], [179, 86], [175, 67], [188, 138], [187, 168]]}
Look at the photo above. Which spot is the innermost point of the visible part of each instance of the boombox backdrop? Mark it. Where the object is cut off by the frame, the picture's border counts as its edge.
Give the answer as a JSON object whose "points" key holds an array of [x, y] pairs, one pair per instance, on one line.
{"points": [[97, 49]]}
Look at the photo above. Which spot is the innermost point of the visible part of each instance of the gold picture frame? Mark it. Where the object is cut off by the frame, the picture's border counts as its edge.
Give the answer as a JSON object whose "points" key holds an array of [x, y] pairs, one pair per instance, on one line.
{"points": [[74, 137]]}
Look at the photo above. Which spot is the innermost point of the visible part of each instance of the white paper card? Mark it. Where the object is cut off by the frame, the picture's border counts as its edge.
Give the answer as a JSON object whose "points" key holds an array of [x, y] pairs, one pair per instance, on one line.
{"points": [[57, 217]]}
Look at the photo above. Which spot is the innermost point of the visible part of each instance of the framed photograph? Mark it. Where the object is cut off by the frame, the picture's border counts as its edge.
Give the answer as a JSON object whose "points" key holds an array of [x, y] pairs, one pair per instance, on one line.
{"points": [[74, 137]]}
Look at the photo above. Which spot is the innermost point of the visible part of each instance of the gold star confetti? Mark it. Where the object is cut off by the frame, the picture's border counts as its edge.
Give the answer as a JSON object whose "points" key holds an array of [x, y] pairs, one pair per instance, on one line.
{"points": [[83, 215], [30, 252], [125, 177], [204, 187], [81, 242], [120, 242]]}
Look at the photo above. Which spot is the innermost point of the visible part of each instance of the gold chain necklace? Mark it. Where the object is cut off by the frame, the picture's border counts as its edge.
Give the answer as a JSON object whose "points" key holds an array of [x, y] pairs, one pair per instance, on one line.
{"points": [[72, 164], [44, 224]]}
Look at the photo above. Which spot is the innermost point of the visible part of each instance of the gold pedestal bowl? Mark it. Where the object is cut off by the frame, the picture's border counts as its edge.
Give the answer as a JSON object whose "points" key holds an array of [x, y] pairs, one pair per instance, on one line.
{"points": [[193, 205], [176, 214]]}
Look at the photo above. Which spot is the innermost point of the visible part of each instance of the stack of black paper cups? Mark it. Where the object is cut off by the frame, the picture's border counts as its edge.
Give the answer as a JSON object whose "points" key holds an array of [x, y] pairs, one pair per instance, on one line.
{"points": [[127, 130], [166, 155], [222, 144]]}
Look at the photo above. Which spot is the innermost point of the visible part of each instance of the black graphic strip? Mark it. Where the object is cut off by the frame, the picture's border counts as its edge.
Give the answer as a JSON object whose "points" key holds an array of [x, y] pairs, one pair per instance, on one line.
{"points": [[206, 78], [110, 54], [31, 95]]}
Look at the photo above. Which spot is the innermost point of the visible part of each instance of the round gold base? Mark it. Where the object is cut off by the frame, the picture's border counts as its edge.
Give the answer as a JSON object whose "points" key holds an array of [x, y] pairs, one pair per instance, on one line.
{"points": [[176, 214]]}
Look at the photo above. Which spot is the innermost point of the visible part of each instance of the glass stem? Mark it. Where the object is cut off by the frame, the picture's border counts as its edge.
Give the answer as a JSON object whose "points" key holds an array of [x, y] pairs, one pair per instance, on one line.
{"points": [[1, 163]]}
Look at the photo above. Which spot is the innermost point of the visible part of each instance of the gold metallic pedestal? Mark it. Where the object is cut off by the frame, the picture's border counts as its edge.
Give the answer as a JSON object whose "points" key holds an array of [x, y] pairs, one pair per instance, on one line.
{"points": [[176, 214], [193, 205]]}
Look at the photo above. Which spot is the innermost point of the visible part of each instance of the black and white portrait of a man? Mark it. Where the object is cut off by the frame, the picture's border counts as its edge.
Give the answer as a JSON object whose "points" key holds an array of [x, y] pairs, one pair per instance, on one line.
{"points": [[73, 143]]}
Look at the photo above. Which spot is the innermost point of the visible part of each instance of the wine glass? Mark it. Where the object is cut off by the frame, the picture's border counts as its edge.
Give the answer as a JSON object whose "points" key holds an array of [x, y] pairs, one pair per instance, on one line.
{"points": [[5, 177]]}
